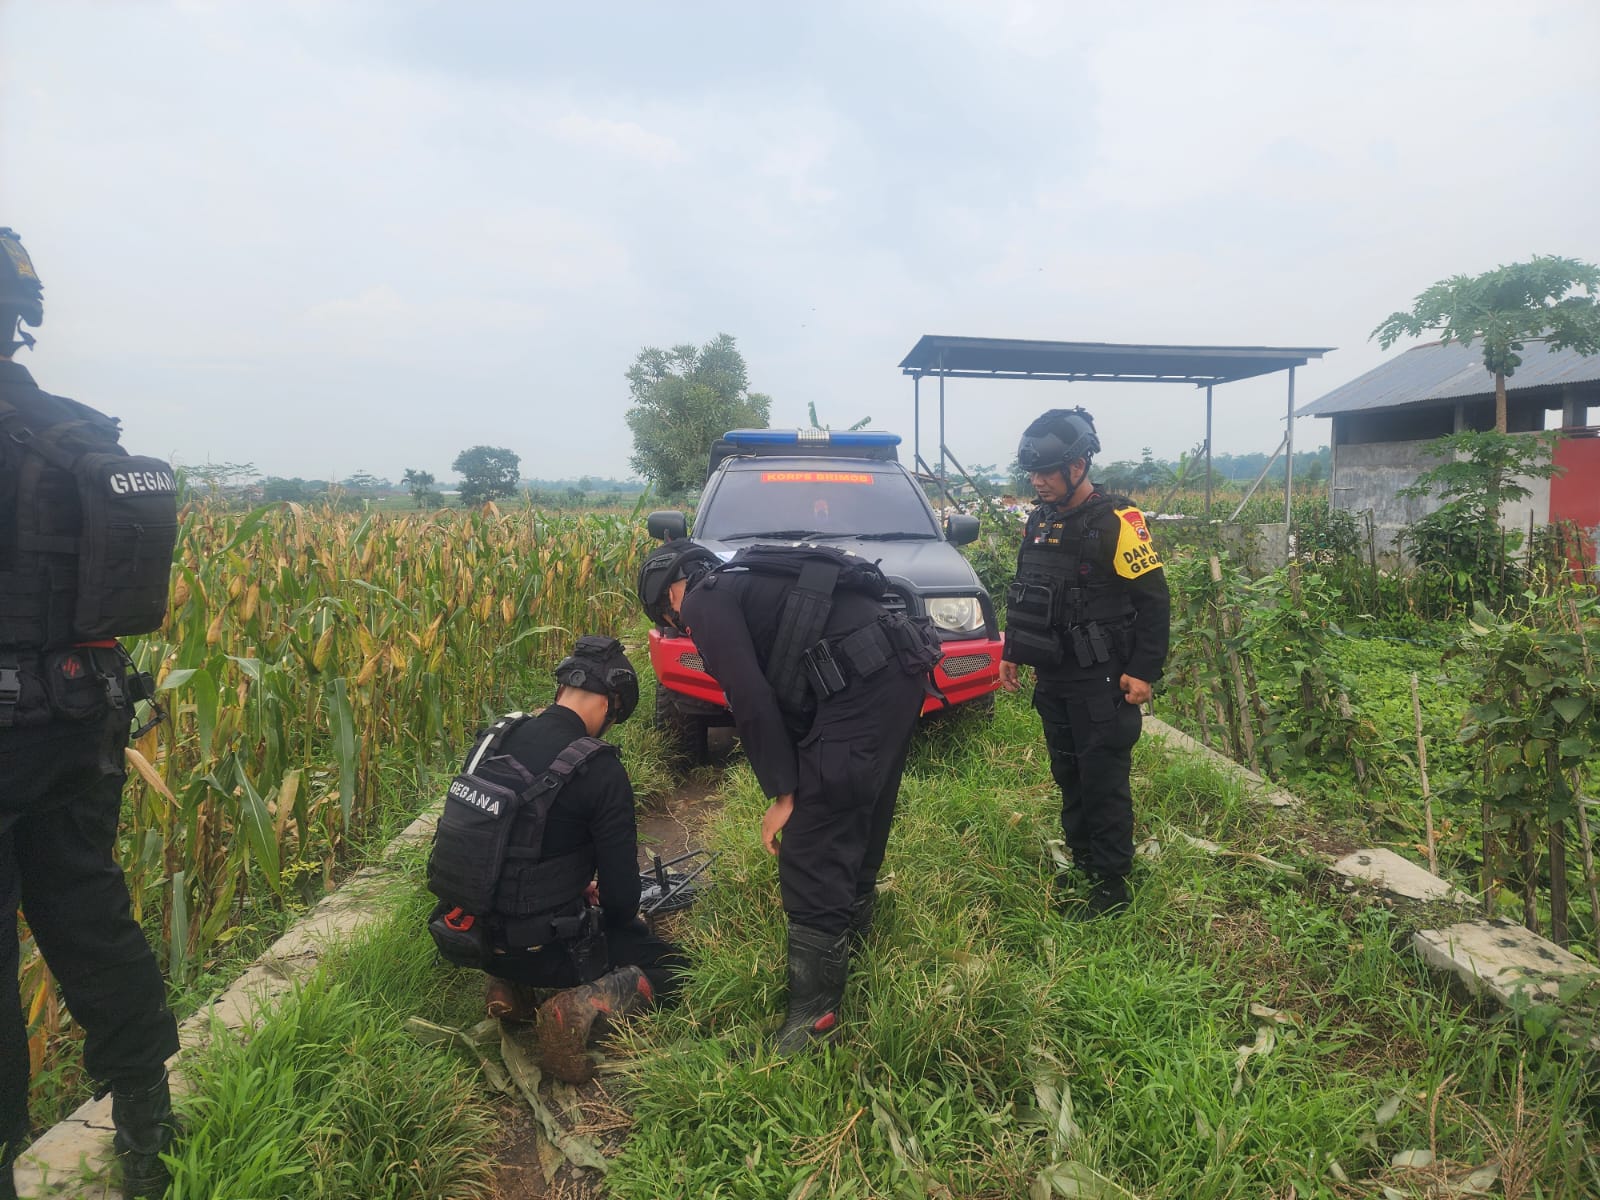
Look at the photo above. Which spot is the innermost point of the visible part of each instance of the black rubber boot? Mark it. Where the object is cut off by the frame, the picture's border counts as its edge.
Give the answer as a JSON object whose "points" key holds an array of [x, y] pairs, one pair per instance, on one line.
{"points": [[861, 913], [1108, 897], [145, 1127], [818, 963]]}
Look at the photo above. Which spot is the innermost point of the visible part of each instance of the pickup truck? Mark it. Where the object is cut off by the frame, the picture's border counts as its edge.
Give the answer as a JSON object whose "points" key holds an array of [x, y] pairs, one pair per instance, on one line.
{"points": [[843, 489]]}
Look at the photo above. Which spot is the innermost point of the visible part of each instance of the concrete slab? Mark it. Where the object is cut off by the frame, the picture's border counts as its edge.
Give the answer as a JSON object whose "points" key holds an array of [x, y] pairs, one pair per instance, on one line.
{"points": [[1388, 871], [1261, 789], [1500, 959]]}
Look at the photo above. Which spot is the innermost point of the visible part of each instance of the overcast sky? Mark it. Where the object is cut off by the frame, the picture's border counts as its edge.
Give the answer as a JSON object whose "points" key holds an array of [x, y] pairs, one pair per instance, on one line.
{"points": [[330, 237]]}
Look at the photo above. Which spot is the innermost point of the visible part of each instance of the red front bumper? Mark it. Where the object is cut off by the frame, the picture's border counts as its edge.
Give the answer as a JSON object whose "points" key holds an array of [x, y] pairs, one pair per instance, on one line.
{"points": [[970, 668]]}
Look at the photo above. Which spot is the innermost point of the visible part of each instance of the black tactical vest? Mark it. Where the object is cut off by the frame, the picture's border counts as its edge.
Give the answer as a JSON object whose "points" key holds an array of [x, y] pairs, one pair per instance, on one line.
{"points": [[86, 529], [488, 850], [1063, 598]]}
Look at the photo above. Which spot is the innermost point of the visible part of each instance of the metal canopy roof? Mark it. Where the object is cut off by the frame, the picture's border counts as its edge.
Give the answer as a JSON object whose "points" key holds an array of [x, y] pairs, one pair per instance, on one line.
{"points": [[1435, 373], [1020, 358]]}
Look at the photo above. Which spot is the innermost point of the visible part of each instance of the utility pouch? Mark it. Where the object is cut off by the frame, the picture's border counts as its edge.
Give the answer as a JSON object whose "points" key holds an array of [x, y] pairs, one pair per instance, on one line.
{"points": [[460, 937], [1081, 649], [77, 688], [915, 642], [1099, 644], [867, 650], [130, 525], [23, 699], [1031, 638], [469, 848], [827, 680]]}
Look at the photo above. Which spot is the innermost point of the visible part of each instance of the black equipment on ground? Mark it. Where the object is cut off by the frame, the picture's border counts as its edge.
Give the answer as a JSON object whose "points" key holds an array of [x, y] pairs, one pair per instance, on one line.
{"points": [[668, 887]]}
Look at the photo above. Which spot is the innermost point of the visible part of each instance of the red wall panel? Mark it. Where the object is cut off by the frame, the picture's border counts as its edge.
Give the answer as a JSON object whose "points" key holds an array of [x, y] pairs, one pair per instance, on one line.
{"points": [[1575, 495]]}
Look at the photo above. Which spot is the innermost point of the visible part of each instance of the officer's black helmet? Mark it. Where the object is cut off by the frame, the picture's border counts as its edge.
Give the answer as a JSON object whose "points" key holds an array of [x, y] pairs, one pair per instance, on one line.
{"points": [[668, 563], [21, 293], [597, 664], [1056, 438]]}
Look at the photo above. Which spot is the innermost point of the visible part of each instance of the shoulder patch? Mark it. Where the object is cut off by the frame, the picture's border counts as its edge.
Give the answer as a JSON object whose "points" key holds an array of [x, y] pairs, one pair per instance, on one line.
{"points": [[1135, 554]]}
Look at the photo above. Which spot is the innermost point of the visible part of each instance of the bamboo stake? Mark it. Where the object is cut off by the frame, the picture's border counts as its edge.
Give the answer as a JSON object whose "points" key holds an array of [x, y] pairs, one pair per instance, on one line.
{"points": [[1586, 843], [1422, 767], [1246, 731]]}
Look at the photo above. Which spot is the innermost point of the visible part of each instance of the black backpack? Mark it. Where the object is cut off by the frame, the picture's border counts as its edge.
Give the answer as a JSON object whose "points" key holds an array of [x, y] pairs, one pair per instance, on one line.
{"points": [[90, 555], [485, 865]]}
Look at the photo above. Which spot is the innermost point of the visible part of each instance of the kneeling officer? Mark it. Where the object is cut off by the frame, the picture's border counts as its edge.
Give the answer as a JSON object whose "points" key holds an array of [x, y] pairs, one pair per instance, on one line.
{"points": [[535, 864]]}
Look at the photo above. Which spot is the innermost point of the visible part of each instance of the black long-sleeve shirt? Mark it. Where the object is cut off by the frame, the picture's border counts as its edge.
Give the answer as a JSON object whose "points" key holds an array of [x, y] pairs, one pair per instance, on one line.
{"points": [[733, 619], [596, 806]]}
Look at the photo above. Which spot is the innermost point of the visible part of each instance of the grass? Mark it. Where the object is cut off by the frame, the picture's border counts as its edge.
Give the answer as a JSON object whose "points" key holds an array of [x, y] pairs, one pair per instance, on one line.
{"points": [[989, 1047], [330, 1098], [972, 992]]}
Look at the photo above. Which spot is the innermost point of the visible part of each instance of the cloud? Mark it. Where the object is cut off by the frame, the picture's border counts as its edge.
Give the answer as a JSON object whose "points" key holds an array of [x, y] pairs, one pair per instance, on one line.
{"points": [[626, 138]]}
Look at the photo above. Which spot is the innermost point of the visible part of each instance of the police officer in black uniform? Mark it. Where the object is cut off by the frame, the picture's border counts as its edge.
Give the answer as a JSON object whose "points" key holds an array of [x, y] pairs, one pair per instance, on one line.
{"points": [[830, 760], [1089, 612], [69, 584], [576, 893]]}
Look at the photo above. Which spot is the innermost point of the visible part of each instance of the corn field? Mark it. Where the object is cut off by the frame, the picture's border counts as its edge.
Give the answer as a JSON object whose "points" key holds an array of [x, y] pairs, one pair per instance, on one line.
{"points": [[314, 663]]}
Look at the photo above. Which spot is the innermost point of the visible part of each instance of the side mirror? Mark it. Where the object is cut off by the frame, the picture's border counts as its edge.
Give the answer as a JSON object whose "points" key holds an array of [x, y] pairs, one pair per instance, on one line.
{"points": [[667, 525], [959, 529]]}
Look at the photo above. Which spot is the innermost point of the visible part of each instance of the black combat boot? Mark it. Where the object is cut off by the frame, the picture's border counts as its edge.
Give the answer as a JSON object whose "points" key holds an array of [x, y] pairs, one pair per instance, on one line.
{"points": [[818, 963], [145, 1127], [1108, 897], [861, 913]]}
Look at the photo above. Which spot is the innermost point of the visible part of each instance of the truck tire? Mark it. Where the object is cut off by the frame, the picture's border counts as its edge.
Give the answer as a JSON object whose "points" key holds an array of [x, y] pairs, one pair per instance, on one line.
{"points": [[683, 729]]}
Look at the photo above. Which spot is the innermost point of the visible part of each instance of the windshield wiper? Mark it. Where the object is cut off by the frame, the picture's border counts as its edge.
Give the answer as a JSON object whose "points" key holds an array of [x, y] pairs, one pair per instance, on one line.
{"points": [[788, 535], [893, 537]]}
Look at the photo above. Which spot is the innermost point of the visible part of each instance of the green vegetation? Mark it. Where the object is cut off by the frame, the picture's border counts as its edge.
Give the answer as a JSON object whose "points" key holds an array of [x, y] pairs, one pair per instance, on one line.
{"points": [[684, 399], [329, 1098], [1548, 299], [990, 1048]]}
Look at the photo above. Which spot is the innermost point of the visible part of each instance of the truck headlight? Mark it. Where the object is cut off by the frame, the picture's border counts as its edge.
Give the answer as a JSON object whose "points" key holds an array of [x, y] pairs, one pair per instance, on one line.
{"points": [[956, 614]]}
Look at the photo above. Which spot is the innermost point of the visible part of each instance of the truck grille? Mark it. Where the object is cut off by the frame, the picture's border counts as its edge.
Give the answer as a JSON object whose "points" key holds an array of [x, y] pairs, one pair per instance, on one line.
{"points": [[964, 664], [693, 661]]}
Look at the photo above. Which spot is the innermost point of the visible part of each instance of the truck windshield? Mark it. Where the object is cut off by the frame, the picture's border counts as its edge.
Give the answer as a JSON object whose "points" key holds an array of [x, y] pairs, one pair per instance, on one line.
{"points": [[794, 500]]}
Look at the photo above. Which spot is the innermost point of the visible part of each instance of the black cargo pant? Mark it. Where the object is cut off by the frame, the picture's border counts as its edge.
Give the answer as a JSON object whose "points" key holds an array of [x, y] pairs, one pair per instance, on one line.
{"points": [[850, 765], [1090, 731], [60, 800], [630, 944]]}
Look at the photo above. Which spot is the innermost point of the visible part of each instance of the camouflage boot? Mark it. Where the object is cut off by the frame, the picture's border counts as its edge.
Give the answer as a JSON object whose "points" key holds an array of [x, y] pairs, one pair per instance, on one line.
{"points": [[569, 1020]]}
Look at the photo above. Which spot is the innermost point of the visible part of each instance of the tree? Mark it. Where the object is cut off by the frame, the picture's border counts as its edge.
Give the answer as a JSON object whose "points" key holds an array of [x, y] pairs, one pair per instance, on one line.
{"points": [[421, 486], [1506, 308], [683, 400], [487, 472]]}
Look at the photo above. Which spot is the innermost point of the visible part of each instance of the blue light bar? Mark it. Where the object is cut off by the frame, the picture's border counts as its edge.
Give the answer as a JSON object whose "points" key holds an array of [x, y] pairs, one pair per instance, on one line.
{"points": [[795, 437]]}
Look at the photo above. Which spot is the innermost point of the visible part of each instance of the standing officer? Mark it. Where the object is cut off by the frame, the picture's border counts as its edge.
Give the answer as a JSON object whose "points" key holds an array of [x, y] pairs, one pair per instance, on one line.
{"points": [[86, 538], [1089, 612], [826, 686], [563, 900]]}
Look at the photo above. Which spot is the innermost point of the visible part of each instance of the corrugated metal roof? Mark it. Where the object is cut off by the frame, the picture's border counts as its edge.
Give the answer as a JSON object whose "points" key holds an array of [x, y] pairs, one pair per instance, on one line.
{"points": [[1022, 358], [1435, 373]]}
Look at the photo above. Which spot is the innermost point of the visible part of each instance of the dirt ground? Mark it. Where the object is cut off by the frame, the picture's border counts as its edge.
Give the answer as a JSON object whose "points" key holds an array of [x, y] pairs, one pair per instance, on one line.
{"points": [[529, 1167]]}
